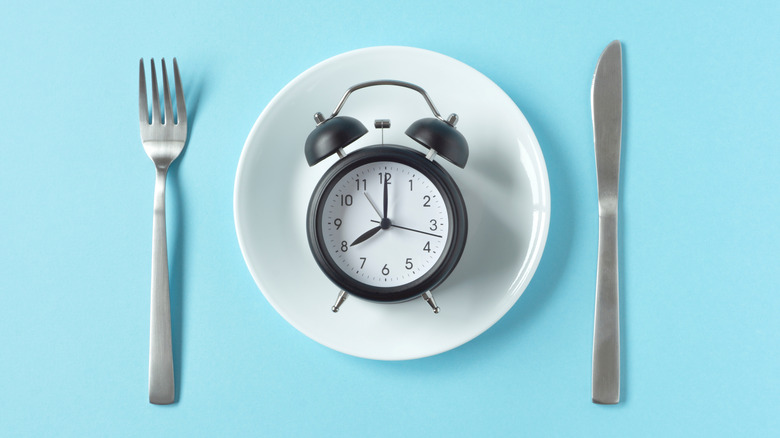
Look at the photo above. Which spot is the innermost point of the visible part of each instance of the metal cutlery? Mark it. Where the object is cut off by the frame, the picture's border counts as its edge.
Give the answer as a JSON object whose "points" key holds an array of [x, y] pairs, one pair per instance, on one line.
{"points": [[163, 140], [607, 108]]}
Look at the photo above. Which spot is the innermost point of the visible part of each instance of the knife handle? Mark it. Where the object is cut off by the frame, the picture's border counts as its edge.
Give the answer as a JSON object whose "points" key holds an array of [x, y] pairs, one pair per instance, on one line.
{"points": [[606, 330]]}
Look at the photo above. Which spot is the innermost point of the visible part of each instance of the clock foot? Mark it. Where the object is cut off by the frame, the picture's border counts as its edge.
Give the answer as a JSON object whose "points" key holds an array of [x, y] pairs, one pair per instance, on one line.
{"points": [[428, 297], [339, 301]]}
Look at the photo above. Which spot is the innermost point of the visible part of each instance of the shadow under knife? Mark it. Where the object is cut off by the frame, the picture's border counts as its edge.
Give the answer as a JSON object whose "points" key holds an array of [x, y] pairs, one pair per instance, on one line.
{"points": [[622, 243]]}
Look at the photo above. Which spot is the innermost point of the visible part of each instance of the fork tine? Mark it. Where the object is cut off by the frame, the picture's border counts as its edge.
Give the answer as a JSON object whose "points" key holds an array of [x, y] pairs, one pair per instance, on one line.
{"points": [[181, 109], [143, 106], [155, 97], [167, 96]]}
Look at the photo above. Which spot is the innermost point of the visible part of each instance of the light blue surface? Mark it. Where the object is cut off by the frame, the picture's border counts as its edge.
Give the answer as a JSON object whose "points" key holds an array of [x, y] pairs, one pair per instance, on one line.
{"points": [[699, 234]]}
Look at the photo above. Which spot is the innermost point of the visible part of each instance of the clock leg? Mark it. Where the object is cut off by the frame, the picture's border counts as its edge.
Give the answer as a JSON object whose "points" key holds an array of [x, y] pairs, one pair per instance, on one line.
{"points": [[428, 297], [339, 301]]}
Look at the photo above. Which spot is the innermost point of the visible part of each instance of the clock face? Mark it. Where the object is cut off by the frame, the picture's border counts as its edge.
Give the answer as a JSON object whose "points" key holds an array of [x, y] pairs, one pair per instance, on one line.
{"points": [[386, 224]]}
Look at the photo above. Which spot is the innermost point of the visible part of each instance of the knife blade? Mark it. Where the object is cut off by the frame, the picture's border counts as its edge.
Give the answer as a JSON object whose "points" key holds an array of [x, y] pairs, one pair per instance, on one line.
{"points": [[607, 108]]}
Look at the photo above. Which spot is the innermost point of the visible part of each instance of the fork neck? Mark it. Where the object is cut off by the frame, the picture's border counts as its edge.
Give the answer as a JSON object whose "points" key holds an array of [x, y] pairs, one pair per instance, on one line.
{"points": [[159, 192]]}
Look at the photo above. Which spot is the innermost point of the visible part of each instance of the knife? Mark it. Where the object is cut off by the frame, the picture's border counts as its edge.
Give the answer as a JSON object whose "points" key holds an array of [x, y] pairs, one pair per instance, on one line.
{"points": [[606, 99]]}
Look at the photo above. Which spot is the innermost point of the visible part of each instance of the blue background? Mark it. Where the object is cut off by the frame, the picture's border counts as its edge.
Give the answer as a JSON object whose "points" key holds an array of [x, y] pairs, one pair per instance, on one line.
{"points": [[698, 238]]}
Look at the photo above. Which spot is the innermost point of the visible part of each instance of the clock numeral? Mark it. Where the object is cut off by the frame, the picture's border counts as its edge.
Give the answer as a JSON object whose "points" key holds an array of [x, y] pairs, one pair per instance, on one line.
{"points": [[384, 176], [385, 270], [358, 184], [409, 264], [427, 246], [344, 246], [411, 186], [346, 200], [434, 226], [427, 202], [337, 223], [364, 262]]}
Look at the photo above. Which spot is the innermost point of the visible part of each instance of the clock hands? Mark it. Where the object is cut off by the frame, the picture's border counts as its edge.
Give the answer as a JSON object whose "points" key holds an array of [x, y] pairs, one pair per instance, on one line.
{"points": [[383, 224], [365, 236], [373, 205], [384, 198], [409, 229]]}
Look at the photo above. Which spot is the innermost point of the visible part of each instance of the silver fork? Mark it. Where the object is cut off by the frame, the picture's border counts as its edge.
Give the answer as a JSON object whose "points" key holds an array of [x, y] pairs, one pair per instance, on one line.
{"points": [[163, 142]]}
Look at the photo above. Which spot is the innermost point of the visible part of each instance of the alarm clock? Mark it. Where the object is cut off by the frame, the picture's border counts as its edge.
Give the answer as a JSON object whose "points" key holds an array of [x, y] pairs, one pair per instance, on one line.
{"points": [[386, 222]]}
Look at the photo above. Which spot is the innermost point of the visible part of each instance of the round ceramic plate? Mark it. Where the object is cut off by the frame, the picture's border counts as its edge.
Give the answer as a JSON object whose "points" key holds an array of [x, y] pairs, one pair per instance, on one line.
{"points": [[504, 185]]}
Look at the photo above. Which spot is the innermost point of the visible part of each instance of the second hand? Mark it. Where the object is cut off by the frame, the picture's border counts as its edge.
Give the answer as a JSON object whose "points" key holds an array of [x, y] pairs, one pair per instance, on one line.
{"points": [[410, 229], [373, 205]]}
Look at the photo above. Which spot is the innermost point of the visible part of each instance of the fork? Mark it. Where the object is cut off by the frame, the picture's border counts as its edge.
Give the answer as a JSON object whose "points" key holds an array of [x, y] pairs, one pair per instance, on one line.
{"points": [[163, 141]]}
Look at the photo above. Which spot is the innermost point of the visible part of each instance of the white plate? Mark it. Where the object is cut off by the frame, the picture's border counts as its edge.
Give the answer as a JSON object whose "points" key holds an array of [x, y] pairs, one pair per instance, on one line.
{"points": [[504, 184]]}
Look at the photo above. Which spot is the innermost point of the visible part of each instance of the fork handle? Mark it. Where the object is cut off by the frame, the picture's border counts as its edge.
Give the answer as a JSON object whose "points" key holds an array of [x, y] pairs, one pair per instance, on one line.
{"points": [[161, 384], [606, 331]]}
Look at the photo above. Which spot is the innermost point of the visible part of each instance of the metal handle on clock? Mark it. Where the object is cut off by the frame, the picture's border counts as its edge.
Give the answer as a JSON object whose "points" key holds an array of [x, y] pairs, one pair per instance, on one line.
{"points": [[451, 120]]}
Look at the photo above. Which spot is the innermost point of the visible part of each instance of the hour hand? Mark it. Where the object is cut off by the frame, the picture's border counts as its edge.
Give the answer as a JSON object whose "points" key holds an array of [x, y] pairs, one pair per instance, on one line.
{"points": [[365, 236]]}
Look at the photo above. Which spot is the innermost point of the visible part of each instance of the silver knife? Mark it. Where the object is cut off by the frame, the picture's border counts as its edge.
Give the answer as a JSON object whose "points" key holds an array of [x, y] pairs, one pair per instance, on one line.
{"points": [[606, 99]]}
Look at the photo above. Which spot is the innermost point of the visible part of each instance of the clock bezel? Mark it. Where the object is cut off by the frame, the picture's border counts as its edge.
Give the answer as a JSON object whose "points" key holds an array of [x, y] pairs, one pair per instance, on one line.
{"points": [[453, 200]]}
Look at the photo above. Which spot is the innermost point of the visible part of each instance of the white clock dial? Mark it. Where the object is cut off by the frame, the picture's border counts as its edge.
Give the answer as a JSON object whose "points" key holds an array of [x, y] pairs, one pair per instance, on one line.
{"points": [[398, 250]]}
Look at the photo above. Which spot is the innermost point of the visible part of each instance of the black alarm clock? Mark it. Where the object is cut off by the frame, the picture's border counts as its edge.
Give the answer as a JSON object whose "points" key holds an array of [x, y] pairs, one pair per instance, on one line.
{"points": [[386, 222]]}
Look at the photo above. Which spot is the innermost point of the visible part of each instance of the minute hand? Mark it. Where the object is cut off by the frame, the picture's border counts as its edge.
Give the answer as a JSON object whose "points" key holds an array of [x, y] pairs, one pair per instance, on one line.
{"points": [[384, 199], [411, 229]]}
